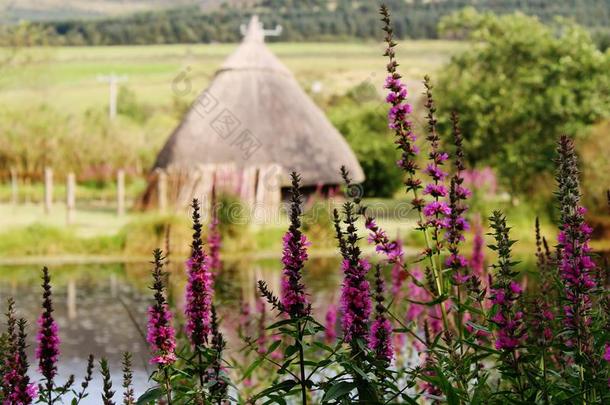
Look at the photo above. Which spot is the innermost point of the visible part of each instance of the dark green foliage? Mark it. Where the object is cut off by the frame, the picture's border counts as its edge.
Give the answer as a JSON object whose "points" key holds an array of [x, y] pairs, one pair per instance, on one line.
{"points": [[365, 129], [302, 20], [520, 87], [107, 392]]}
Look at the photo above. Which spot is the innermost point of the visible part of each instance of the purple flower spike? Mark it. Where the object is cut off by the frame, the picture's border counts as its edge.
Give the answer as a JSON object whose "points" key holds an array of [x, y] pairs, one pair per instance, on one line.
{"points": [[16, 385], [355, 299], [161, 333], [437, 208], [576, 268], [399, 110], [294, 256], [199, 288], [47, 351], [377, 236], [380, 341], [505, 293]]}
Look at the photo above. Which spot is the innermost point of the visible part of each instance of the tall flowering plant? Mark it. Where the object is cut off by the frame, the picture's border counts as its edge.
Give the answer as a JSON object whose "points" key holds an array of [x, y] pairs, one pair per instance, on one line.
{"points": [[16, 387], [298, 327], [161, 335], [580, 276]]}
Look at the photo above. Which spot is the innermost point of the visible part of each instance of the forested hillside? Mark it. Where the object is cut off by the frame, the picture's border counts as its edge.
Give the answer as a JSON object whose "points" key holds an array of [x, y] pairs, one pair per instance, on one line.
{"points": [[301, 19]]}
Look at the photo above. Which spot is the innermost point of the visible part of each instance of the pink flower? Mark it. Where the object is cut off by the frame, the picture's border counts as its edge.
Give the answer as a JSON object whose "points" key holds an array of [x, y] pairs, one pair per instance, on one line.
{"points": [[435, 172], [607, 352], [199, 296], [294, 256], [355, 299], [380, 339], [391, 249], [435, 190], [47, 351], [437, 208], [331, 324], [161, 335], [515, 288]]}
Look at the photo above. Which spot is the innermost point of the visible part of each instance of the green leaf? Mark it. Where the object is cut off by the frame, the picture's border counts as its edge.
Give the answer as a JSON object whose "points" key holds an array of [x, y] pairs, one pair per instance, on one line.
{"points": [[149, 396], [274, 346], [253, 367], [338, 390], [280, 323]]}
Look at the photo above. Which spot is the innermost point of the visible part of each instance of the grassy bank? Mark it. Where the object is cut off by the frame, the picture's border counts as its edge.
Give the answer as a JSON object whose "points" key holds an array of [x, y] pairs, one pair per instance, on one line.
{"points": [[99, 234]]}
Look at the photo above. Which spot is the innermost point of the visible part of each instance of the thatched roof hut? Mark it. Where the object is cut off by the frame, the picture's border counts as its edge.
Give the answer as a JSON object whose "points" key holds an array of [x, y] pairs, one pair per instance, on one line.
{"points": [[255, 114]]}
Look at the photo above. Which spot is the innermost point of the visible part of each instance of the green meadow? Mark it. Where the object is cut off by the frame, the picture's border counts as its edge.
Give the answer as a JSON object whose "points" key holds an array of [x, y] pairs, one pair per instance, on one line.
{"points": [[67, 77]]}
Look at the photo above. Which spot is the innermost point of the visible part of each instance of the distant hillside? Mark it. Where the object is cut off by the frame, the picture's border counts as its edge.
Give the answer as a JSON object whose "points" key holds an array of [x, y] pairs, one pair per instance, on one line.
{"points": [[53, 10], [303, 20]]}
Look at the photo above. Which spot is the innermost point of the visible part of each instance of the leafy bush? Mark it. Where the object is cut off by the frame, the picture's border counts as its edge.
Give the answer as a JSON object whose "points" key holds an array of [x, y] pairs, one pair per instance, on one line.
{"points": [[365, 129], [520, 85]]}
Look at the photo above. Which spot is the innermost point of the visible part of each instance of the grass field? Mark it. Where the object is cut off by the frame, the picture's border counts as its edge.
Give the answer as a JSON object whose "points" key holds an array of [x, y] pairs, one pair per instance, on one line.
{"points": [[66, 77]]}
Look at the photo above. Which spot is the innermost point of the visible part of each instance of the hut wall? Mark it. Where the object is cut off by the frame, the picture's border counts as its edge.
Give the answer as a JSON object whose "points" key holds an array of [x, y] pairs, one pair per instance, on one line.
{"points": [[257, 187]]}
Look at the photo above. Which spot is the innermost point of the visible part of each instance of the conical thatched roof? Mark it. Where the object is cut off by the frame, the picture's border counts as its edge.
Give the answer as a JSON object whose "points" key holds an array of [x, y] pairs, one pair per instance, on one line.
{"points": [[255, 113]]}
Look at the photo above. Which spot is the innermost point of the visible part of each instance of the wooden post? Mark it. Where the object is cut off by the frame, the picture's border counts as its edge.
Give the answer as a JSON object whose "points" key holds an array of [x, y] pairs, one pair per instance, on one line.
{"points": [[120, 192], [48, 190], [70, 198], [162, 191], [14, 187]]}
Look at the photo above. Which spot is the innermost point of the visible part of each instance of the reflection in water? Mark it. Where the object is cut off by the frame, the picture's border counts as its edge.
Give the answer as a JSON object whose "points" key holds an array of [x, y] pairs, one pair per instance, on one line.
{"points": [[101, 309]]}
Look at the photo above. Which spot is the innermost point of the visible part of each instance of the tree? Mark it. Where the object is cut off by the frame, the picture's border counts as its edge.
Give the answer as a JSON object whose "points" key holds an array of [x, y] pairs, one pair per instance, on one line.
{"points": [[361, 117], [520, 86]]}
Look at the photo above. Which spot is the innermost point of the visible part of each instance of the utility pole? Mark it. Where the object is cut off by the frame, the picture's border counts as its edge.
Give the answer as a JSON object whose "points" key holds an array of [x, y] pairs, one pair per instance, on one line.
{"points": [[113, 81]]}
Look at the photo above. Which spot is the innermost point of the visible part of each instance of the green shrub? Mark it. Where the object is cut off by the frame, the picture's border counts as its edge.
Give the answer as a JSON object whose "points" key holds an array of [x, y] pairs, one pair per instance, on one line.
{"points": [[365, 129]]}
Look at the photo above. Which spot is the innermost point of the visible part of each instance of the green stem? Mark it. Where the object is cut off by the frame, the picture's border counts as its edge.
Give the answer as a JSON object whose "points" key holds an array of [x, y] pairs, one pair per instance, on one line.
{"points": [[438, 276], [168, 387], [303, 378]]}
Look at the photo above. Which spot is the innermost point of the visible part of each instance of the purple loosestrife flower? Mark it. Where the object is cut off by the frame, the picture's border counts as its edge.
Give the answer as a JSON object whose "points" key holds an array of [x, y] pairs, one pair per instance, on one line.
{"points": [[399, 110], [481, 179], [607, 352], [380, 341], [294, 299], [505, 292], [355, 300], [47, 351], [437, 210], [199, 288], [18, 390], [330, 330], [576, 268], [161, 333], [377, 236], [456, 222]]}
